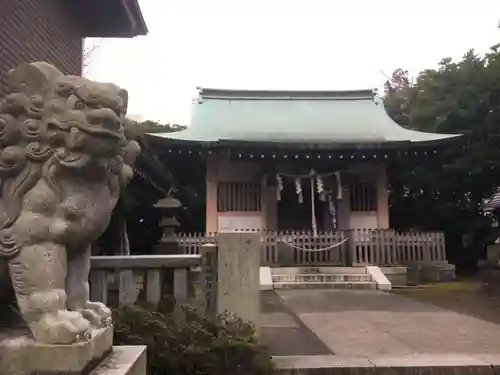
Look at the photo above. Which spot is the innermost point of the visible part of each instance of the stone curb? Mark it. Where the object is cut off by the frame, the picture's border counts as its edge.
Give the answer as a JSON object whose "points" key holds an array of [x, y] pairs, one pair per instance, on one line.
{"points": [[427, 364]]}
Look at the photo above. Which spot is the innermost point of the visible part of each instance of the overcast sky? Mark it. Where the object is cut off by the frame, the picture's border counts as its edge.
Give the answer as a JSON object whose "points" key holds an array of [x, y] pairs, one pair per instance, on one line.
{"points": [[284, 44]]}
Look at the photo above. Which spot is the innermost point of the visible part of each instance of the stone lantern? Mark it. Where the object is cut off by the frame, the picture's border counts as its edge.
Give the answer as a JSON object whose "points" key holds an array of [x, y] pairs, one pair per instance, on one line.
{"points": [[168, 243]]}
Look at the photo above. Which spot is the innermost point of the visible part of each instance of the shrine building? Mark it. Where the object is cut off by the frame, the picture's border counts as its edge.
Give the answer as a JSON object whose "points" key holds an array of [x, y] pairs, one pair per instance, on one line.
{"points": [[295, 160]]}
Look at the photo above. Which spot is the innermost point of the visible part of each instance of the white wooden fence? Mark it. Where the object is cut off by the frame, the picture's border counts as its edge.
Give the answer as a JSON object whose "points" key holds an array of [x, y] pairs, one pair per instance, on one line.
{"points": [[341, 247]]}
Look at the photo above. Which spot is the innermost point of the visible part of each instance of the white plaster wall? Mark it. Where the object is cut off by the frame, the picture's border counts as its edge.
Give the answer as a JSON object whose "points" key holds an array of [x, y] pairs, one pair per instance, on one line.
{"points": [[363, 220], [234, 223]]}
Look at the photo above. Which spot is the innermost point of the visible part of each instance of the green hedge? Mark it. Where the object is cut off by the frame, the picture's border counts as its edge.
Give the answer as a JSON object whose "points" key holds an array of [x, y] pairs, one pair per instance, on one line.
{"points": [[197, 345]]}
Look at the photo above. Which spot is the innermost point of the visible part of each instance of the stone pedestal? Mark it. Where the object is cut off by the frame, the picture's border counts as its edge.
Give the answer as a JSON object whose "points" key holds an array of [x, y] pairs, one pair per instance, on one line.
{"points": [[421, 272], [439, 272], [124, 360], [493, 253], [21, 355], [398, 276], [489, 273]]}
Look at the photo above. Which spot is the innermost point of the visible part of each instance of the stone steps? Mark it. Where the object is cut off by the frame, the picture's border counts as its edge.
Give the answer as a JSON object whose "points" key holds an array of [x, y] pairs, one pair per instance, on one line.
{"points": [[416, 363], [319, 270], [326, 285], [322, 278], [319, 277]]}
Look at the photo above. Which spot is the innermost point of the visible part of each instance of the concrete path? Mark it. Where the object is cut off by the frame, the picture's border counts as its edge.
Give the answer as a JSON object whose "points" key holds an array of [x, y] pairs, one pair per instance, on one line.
{"points": [[364, 323], [283, 333]]}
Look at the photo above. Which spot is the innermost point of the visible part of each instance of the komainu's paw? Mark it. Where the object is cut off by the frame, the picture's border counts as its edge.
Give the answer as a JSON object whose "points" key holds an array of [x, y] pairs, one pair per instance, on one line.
{"points": [[61, 327], [97, 313]]}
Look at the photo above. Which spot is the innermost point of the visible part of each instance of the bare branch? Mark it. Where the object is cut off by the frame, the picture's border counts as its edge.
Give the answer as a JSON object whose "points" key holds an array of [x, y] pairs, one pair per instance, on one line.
{"points": [[88, 53]]}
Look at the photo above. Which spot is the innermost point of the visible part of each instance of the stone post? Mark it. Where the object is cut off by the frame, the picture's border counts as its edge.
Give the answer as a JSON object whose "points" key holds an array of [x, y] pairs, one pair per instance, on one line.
{"points": [[231, 275], [286, 254], [209, 256]]}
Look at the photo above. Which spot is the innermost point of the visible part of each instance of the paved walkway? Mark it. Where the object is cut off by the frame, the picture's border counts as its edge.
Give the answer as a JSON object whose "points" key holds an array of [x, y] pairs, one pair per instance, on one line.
{"points": [[283, 332], [364, 323]]}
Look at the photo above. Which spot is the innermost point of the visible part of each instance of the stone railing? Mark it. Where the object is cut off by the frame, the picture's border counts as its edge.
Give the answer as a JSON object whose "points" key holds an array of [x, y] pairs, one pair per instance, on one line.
{"points": [[122, 277], [227, 274]]}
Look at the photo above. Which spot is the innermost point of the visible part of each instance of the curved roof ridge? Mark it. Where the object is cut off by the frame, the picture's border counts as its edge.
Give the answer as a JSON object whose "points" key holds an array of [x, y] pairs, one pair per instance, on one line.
{"points": [[216, 93], [297, 117]]}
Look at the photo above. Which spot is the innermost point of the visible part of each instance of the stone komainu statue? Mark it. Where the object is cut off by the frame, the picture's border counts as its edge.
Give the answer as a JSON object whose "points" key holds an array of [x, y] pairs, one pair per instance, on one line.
{"points": [[64, 157]]}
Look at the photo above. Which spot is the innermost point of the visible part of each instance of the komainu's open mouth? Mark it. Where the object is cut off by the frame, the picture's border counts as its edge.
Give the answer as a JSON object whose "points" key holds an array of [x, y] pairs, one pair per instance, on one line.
{"points": [[72, 159]]}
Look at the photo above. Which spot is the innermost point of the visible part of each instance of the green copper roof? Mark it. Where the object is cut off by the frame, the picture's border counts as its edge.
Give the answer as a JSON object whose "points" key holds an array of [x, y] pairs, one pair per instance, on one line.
{"points": [[299, 117]]}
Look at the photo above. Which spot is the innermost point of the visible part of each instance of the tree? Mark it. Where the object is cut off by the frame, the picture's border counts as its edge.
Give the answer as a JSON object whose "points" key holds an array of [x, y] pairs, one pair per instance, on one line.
{"points": [[398, 96], [149, 126], [135, 214], [134, 222], [457, 97]]}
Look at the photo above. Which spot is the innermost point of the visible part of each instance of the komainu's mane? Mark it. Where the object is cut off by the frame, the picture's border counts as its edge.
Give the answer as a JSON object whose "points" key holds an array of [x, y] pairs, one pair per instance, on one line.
{"points": [[24, 156], [31, 133]]}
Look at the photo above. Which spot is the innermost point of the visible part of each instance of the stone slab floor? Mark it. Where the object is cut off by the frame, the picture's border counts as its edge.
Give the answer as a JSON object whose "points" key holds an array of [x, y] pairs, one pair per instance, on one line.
{"points": [[364, 323], [283, 333]]}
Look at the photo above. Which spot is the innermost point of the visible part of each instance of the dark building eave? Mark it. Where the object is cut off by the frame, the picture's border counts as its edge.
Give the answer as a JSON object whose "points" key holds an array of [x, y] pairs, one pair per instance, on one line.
{"points": [[492, 203], [231, 94], [164, 140], [109, 18], [269, 151]]}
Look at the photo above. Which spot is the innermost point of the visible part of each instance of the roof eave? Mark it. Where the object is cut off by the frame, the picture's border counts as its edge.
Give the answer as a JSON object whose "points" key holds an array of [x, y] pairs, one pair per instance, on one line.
{"points": [[231, 94], [137, 23], [170, 138], [108, 19], [440, 140]]}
